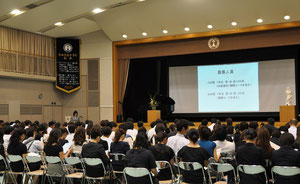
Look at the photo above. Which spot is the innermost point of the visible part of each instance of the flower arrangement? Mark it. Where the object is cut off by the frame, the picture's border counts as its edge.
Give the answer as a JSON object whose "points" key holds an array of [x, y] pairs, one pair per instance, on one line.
{"points": [[153, 102]]}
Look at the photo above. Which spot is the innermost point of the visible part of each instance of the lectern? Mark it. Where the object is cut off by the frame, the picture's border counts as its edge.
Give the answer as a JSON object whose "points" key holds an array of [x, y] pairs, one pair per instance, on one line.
{"points": [[153, 115], [287, 112]]}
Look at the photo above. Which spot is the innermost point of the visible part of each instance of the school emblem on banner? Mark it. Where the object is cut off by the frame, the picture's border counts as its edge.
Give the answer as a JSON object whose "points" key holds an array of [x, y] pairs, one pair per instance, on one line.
{"points": [[213, 43], [67, 65]]}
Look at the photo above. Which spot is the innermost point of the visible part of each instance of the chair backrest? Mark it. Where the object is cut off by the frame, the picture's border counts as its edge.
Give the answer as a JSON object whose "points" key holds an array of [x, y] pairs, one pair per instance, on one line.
{"points": [[33, 159], [192, 166], [221, 167], [72, 160], [165, 165], [286, 170], [14, 158], [117, 156], [94, 162], [4, 161], [136, 173], [251, 169], [52, 159]]}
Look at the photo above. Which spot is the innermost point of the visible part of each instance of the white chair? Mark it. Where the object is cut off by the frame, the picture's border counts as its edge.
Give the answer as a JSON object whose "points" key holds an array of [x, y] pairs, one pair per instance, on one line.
{"points": [[14, 159], [54, 162], [221, 168], [92, 162], [252, 170], [284, 171], [192, 166], [34, 160], [74, 173], [166, 165], [136, 172]]}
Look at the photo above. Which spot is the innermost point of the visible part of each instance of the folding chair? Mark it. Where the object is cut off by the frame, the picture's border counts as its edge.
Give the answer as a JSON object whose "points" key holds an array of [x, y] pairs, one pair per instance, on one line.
{"points": [[284, 171], [54, 162], [3, 172], [252, 170], [221, 168], [166, 165], [14, 159], [92, 162], [74, 173], [136, 172], [192, 166], [34, 160]]}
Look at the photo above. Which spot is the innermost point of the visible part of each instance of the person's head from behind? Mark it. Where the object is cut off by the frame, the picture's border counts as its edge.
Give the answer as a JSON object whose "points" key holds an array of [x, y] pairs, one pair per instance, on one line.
{"points": [[161, 137], [213, 120], [271, 121], [276, 133], [182, 126], [64, 133], [204, 133], [263, 136], [172, 128], [160, 128], [113, 125], [293, 122], [253, 124], [286, 139], [54, 136], [75, 113], [130, 125], [249, 135], [142, 129], [140, 141], [243, 126], [106, 131], [229, 122], [152, 125], [204, 122], [119, 135], [72, 128], [8, 129], [140, 124], [220, 133], [124, 127], [18, 135], [193, 135], [96, 133], [51, 124], [30, 132], [43, 128], [1, 124], [105, 123], [79, 137]]}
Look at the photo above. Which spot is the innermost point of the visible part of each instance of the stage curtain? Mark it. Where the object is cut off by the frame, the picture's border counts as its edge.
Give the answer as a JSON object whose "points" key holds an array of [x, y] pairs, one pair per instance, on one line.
{"points": [[25, 52], [123, 67]]}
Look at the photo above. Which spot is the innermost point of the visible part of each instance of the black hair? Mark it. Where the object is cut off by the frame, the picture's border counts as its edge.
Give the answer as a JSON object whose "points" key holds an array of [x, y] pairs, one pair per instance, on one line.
{"points": [[276, 133], [244, 125], [193, 135], [142, 129], [286, 139], [51, 123], [54, 136], [75, 112], [204, 133], [64, 131], [8, 129], [118, 135], [204, 122], [140, 124], [130, 119], [96, 132], [249, 134], [113, 124], [152, 125], [253, 124], [16, 135], [72, 127], [123, 126], [57, 125], [160, 128], [220, 133], [271, 121], [160, 136], [140, 141], [106, 131], [229, 121], [294, 122], [104, 123], [29, 132], [182, 123], [1, 136], [172, 127], [65, 124], [28, 122], [284, 129], [43, 128], [213, 120], [130, 125]]}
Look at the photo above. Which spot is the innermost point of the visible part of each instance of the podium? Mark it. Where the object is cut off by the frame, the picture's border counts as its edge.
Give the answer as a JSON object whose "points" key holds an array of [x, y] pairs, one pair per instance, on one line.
{"points": [[287, 113], [153, 115]]}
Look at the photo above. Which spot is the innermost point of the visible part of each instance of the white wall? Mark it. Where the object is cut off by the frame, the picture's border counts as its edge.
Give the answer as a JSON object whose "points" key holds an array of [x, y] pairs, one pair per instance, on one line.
{"points": [[97, 45]]}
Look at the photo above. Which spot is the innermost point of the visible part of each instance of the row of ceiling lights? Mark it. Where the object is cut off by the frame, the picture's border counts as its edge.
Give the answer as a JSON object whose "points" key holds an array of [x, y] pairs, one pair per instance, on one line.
{"points": [[286, 17]]}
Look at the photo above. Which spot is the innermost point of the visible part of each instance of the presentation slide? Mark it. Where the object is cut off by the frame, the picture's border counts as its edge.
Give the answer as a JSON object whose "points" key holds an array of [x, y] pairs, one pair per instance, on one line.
{"points": [[243, 87], [228, 88]]}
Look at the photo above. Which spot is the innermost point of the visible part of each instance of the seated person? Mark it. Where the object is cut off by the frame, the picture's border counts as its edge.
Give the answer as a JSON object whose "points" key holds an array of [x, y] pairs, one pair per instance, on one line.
{"points": [[162, 152], [193, 153], [2, 152], [286, 156], [141, 157], [248, 154], [64, 133], [222, 145], [209, 146], [119, 146], [79, 140], [95, 150]]}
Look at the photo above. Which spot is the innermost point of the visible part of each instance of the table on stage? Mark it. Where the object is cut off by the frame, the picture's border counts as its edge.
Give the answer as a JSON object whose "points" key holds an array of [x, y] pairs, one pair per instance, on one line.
{"points": [[153, 115], [287, 112]]}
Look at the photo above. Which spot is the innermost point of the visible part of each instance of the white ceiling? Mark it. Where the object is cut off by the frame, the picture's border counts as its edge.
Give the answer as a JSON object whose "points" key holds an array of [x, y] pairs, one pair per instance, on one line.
{"points": [[151, 16]]}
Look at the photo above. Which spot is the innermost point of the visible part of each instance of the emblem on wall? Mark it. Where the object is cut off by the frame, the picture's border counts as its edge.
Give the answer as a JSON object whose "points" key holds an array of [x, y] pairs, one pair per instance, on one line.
{"points": [[213, 43]]}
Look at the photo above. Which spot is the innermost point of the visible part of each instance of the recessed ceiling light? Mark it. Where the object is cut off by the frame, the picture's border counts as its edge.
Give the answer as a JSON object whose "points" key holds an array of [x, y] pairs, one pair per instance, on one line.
{"points": [[209, 26], [165, 31], [124, 36], [144, 34], [233, 23], [287, 17], [259, 20], [58, 24], [187, 29], [16, 12], [141, 0], [97, 10]]}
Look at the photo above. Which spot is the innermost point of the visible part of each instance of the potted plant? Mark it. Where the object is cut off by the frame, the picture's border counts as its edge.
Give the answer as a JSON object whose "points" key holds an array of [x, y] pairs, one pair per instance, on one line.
{"points": [[153, 102]]}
